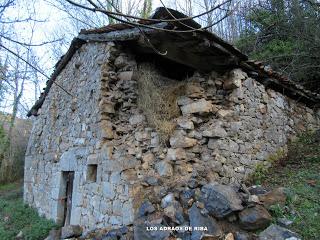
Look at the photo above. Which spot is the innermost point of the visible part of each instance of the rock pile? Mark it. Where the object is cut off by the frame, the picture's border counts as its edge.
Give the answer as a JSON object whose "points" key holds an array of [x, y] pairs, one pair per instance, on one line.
{"points": [[212, 211]]}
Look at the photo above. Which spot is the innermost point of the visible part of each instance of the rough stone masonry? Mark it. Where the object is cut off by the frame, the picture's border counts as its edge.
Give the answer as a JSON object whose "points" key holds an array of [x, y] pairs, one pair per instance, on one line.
{"points": [[229, 124]]}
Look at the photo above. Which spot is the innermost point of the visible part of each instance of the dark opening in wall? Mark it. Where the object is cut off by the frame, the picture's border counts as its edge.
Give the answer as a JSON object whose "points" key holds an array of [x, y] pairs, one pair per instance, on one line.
{"points": [[166, 67], [92, 172], [157, 98]]}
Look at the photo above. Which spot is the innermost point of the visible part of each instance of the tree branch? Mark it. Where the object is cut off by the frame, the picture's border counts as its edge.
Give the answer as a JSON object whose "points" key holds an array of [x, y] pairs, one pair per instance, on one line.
{"points": [[35, 68]]}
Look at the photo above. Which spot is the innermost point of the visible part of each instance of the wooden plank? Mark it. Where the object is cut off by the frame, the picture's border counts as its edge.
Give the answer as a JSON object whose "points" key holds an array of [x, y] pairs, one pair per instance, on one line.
{"points": [[190, 53], [162, 13], [70, 179], [123, 35]]}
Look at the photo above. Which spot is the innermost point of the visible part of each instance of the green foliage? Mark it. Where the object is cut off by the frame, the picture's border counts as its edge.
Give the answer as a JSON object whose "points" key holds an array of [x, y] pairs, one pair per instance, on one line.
{"points": [[304, 206], [12, 149], [300, 174], [16, 216], [285, 34], [8, 187], [259, 174], [274, 49], [246, 40], [3, 137], [262, 169], [277, 211], [264, 18], [305, 148], [3, 87], [4, 143], [147, 8], [277, 156], [110, 8]]}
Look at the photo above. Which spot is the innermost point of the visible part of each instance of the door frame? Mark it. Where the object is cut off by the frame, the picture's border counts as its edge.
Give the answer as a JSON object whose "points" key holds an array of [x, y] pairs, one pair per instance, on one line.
{"points": [[66, 200]]}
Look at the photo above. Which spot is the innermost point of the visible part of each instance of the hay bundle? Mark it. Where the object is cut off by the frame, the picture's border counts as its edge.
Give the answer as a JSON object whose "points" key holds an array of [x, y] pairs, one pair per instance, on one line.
{"points": [[158, 99]]}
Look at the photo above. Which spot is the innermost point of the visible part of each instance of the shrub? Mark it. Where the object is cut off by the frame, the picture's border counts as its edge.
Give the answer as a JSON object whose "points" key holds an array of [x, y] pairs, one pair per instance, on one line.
{"points": [[16, 216], [12, 149]]}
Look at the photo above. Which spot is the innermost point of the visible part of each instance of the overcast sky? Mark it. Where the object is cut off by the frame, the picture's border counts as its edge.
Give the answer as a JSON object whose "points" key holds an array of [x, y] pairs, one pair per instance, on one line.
{"points": [[53, 20]]}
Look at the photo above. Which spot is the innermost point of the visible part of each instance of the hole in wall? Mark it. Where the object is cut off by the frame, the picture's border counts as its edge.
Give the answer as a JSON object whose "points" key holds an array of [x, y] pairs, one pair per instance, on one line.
{"points": [[118, 106], [92, 172], [64, 205], [157, 98], [166, 67]]}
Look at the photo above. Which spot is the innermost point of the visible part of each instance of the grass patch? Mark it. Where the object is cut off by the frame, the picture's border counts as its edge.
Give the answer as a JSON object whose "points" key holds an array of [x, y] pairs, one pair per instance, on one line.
{"points": [[299, 173], [15, 216], [158, 99], [262, 169], [9, 187]]}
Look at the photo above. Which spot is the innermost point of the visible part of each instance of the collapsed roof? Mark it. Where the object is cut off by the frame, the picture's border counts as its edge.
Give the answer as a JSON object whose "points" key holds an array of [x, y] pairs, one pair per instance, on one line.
{"points": [[200, 50]]}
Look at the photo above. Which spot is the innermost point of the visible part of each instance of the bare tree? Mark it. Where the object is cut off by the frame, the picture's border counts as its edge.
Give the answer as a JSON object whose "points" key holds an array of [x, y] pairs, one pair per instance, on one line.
{"points": [[147, 7], [18, 74], [18, 71]]}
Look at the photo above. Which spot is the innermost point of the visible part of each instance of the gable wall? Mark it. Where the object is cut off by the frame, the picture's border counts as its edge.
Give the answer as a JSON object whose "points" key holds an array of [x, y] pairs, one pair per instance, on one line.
{"points": [[66, 137]]}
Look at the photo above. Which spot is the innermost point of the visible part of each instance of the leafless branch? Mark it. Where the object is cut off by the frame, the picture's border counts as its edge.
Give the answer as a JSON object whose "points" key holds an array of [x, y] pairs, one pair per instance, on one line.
{"points": [[29, 44], [34, 67], [119, 14]]}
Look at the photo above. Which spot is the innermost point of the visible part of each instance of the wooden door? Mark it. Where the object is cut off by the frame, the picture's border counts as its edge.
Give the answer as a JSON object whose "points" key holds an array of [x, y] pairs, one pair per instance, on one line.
{"points": [[68, 198]]}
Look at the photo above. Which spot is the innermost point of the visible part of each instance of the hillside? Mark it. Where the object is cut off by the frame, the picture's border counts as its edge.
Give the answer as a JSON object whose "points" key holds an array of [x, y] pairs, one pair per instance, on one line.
{"points": [[298, 172]]}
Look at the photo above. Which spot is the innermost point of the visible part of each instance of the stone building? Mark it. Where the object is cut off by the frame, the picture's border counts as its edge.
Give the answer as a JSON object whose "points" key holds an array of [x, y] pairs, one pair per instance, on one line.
{"points": [[96, 150]]}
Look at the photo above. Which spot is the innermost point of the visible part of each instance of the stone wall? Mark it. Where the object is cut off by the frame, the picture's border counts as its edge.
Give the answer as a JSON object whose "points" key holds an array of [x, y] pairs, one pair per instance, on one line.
{"points": [[229, 123], [67, 136]]}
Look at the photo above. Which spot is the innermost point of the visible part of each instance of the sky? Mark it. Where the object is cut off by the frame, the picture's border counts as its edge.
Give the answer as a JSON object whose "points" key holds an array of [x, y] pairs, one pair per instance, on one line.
{"points": [[51, 21], [52, 18]]}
